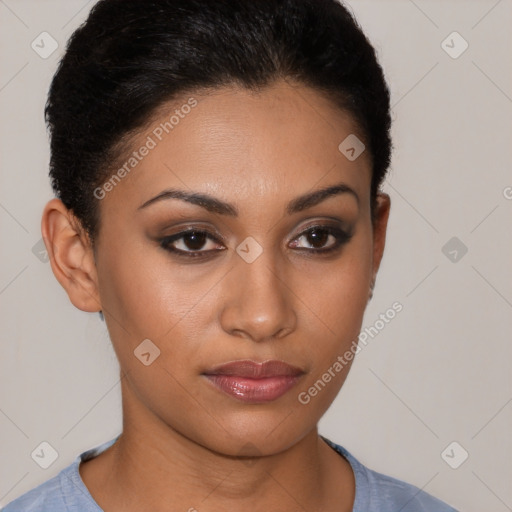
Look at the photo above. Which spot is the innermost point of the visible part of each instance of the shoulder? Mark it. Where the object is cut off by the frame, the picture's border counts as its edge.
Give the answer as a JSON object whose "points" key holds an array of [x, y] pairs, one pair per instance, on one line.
{"points": [[386, 493], [65, 492], [47, 496], [376, 492]]}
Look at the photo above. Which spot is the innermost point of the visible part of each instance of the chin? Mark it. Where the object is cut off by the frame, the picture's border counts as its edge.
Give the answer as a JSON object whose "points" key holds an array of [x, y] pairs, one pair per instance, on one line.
{"points": [[256, 433]]}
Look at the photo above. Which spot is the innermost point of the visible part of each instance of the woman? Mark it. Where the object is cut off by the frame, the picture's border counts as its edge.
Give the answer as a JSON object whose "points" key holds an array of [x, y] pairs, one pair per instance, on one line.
{"points": [[217, 167]]}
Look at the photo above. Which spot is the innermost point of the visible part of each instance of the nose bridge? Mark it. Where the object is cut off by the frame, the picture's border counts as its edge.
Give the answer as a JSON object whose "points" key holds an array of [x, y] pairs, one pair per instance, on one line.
{"points": [[259, 304]]}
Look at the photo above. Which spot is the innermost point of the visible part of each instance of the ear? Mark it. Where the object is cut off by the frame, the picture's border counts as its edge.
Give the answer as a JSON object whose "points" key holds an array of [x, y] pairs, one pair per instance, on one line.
{"points": [[71, 255], [379, 230]]}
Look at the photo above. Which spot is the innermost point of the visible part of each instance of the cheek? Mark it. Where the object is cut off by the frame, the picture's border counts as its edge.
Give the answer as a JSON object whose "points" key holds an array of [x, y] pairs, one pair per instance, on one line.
{"points": [[142, 291], [339, 292], [146, 294], [147, 298], [339, 303], [338, 296]]}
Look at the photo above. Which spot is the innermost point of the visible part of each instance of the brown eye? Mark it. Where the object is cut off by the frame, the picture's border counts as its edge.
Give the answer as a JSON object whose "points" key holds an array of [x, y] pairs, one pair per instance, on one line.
{"points": [[194, 240], [318, 238], [190, 243], [321, 239]]}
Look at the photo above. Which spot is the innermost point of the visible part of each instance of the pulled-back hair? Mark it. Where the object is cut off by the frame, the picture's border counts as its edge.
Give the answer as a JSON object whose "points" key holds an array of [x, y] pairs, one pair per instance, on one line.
{"points": [[132, 56]]}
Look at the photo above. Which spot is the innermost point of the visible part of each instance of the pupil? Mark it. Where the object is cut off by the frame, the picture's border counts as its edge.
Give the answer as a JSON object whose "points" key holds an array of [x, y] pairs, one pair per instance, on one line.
{"points": [[320, 240], [195, 240]]}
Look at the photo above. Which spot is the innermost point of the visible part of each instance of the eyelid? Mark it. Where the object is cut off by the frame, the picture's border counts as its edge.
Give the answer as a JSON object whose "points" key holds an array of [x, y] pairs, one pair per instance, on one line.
{"points": [[209, 229], [325, 223], [341, 234], [214, 236]]}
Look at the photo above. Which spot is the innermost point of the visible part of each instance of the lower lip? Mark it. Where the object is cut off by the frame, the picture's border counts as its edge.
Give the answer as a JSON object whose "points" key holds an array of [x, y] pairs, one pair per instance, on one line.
{"points": [[254, 390]]}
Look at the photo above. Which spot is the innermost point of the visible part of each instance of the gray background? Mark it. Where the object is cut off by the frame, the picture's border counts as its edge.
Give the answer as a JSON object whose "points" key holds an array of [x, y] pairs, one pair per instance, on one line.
{"points": [[439, 372]]}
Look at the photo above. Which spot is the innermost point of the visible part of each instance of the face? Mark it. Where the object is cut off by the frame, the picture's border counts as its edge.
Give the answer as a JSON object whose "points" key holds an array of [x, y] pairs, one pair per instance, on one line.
{"points": [[263, 267]]}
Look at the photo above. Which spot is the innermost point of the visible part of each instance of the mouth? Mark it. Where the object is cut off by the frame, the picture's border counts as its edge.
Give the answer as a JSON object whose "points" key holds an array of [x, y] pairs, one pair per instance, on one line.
{"points": [[253, 382]]}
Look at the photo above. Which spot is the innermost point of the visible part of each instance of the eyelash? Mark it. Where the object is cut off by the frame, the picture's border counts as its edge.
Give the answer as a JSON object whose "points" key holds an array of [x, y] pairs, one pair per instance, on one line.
{"points": [[341, 238]]}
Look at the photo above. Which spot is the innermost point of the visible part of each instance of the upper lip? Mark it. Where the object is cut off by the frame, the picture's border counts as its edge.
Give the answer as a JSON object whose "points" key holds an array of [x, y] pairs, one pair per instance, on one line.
{"points": [[255, 370]]}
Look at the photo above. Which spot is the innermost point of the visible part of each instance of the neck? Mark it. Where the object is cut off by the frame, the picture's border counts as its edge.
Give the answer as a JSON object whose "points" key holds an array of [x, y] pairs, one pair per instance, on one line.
{"points": [[153, 465]]}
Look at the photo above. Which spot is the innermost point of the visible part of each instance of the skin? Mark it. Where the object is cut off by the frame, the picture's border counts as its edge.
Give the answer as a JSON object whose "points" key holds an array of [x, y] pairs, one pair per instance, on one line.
{"points": [[184, 442]]}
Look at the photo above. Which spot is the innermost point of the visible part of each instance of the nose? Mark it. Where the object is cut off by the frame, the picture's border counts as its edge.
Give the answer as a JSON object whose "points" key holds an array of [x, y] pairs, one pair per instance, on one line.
{"points": [[259, 303]]}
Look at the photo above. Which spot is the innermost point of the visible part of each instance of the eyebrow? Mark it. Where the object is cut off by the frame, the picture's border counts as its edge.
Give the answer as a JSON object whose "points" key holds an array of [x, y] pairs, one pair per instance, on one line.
{"points": [[215, 205]]}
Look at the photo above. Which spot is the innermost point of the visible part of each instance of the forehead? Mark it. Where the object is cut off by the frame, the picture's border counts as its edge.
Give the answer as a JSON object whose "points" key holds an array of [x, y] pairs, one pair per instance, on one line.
{"points": [[236, 143]]}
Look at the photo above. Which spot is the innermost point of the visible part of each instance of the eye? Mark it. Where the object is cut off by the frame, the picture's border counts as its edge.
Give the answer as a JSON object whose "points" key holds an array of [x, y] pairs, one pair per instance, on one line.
{"points": [[324, 239], [193, 243], [188, 243]]}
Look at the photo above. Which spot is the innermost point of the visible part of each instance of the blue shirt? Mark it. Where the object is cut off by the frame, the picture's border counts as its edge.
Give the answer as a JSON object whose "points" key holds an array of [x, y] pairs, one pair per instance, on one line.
{"points": [[375, 492]]}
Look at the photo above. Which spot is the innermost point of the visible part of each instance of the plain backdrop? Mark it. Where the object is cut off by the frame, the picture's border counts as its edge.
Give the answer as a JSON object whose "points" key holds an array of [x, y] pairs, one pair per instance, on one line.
{"points": [[429, 398]]}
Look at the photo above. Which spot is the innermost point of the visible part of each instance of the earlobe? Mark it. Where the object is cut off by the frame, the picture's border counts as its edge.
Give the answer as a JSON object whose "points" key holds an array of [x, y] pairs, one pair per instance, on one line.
{"points": [[71, 255], [379, 232]]}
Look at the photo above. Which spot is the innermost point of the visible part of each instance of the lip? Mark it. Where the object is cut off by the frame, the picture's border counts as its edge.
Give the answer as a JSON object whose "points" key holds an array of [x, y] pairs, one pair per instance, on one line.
{"points": [[253, 382]]}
